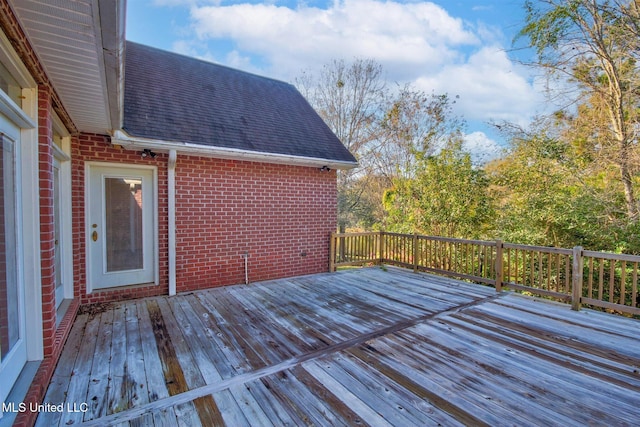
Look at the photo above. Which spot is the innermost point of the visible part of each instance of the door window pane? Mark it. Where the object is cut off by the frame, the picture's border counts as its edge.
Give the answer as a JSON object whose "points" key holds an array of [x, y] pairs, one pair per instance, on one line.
{"points": [[9, 298], [123, 208]]}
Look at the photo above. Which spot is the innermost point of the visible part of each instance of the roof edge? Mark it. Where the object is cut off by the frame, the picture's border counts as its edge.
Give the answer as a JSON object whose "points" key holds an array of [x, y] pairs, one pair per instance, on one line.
{"points": [[120, 137]]}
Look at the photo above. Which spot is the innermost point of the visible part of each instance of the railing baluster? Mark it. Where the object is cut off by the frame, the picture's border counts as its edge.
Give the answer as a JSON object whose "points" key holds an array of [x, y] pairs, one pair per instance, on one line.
{"points": [[601, 280], [590, 291], [612, 278], [623, 279], [546, 271], [549, 262], [540, 276], [634, 286], [567, 273]]}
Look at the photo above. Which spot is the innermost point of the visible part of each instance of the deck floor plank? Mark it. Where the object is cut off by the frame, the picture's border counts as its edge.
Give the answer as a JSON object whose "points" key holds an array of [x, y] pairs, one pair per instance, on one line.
{"points": [[353, 390], [116, 397], [595, 360], [196, 340], [156, 384], [81, 376], [277, 414], [367, 346], [136, 377], [544, 385], [474, 378], [98, 386], [59, 385]]}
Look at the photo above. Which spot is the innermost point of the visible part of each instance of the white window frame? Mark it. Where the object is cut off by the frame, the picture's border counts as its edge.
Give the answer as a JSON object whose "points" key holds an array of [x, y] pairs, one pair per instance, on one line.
{"points": [[27, 202], [62, 153]]}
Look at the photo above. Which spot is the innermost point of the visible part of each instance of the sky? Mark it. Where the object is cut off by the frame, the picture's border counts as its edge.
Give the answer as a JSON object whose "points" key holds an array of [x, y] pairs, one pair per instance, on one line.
{"points": [[459, 47]]}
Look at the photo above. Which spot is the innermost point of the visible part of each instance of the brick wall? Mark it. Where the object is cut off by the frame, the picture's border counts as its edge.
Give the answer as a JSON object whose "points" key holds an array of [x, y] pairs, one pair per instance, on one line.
{"points": [[280, 215], [97, 148], [47, 224]]}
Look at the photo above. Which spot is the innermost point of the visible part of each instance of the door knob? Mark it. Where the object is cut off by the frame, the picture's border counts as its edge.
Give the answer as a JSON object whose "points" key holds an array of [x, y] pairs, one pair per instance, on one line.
{"points": [[94, 236]]}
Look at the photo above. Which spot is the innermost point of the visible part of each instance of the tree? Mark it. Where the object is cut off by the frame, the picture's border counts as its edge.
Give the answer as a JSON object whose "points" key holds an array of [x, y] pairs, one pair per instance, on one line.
{"points": [[414, 125], [552, 192], [594, 46], [349, 97], [445, 196]]}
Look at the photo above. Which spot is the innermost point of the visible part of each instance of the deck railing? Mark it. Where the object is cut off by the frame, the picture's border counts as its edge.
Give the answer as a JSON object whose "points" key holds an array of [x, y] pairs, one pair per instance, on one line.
{"points": [[597, 279]]}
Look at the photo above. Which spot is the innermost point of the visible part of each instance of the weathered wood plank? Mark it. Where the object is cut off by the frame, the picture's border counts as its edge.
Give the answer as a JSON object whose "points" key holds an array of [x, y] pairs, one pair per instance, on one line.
{"points": [[511, 368], [276, 413], [81, 376], [473, 378], [196, 340], [136, 378], [298, 398], [117, 396], [577, 332], [59, 385], [420, 410], [591, 359], [156, 384], [177, 362], [328, 395], [249, 406], [438, 391], [282, 330], [357, 347], [165, 417], [98, 386], [179, 366]]}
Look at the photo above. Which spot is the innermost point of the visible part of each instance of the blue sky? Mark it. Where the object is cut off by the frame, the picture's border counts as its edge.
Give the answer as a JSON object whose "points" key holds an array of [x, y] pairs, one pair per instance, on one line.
{"points": [[463, 48]]}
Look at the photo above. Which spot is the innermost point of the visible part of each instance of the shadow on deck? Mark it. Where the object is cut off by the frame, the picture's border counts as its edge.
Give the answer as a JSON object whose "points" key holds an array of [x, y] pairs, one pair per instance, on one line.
{"points": [[358, 347]]}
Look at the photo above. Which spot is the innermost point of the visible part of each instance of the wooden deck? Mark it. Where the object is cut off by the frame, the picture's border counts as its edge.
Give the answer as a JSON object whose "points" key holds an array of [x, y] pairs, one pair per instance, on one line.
{"points": [[359, 347]]}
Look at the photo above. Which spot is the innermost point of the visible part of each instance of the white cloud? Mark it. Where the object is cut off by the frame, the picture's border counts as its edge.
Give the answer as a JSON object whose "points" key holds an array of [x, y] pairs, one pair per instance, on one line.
{"points": [[491, 87], [414, 36], [419, 43], [481, 147]]}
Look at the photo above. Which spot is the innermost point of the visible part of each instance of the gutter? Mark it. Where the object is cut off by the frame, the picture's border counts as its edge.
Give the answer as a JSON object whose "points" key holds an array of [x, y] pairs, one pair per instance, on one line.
{"points": [[120, 137], [171, 196], [111, 25]]}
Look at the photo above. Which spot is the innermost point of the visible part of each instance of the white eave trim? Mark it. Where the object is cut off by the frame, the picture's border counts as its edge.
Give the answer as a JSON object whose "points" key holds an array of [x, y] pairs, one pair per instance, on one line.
{"points": [[134, 143]]}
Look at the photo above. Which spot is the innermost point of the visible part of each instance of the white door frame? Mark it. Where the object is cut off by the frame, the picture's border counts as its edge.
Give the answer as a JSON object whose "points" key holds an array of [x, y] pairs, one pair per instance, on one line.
{"points": [[27, 202], [66, 220], [90, 268], [15, 359]]}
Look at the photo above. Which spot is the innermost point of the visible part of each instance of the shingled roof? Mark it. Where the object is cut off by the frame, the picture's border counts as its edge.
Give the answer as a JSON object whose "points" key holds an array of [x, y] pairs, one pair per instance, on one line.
{"points": [[171, 97]]}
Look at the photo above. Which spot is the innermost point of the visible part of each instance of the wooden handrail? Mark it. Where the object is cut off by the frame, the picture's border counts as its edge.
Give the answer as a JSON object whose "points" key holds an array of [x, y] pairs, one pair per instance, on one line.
{"points": [[597, 279]]}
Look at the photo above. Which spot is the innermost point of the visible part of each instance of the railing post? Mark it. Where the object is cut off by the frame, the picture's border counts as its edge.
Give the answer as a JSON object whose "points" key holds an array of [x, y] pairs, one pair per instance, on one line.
{"points": [[381, 239], [498, 265], [332, 253], [576, 278], [415, 252]]}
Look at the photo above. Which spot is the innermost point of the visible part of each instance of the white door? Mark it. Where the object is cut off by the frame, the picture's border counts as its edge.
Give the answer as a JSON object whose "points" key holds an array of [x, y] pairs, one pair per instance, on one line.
{"points": [[121, 226], [13, 350]]}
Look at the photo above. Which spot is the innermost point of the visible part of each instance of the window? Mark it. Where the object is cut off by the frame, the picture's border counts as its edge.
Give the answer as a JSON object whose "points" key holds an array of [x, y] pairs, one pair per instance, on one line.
{"points": [[10, 86]]}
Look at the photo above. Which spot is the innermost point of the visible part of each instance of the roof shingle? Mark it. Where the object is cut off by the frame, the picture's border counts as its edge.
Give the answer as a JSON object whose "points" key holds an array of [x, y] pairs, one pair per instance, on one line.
{"points": [[175, 98]]}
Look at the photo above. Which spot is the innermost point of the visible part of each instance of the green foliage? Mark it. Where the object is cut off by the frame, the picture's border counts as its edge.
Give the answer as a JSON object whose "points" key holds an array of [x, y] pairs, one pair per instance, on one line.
{"points": [[593, 46], [549, 193], [444, 196], [570, 179]]}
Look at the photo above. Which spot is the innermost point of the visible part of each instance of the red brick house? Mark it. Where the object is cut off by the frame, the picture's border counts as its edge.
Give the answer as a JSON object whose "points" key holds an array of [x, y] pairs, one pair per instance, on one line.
{"points": [[127, 171]]}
